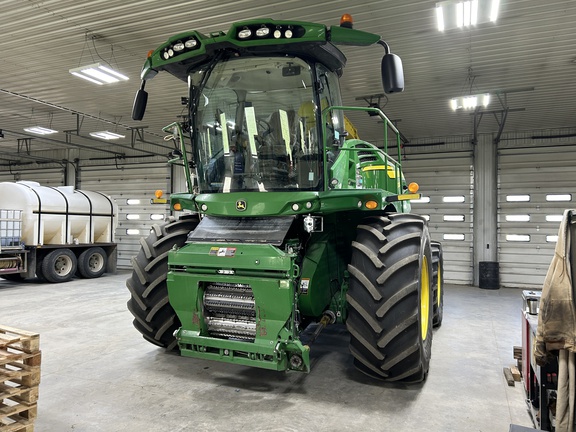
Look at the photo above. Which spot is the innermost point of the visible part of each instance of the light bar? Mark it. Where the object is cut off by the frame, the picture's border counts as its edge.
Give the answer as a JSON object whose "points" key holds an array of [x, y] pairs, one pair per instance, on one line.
{"points": [[39, 130], [98, 74], [470, 101], [107, 135]]}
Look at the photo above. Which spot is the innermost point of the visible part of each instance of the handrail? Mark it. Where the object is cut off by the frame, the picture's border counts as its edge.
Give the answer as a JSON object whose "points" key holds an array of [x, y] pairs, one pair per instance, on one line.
{"points": [[384, 152], [176, 128]]}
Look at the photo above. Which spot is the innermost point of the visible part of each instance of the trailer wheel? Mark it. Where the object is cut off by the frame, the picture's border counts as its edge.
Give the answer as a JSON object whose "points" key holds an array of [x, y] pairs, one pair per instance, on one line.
{"points": [[437, 283], [390, 298], [154, 317], [39, 273], [92, 263], [59, 265]]}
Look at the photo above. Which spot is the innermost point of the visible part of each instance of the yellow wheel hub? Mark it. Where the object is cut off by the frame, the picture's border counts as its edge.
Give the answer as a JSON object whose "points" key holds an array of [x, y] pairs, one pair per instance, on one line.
{"points": [[424, 298], [439, 283]]}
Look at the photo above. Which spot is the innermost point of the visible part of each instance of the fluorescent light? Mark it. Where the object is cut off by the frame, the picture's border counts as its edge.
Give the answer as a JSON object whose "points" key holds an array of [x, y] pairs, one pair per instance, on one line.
{"points": [[494, 10], [460, 14], [40, 130], [440, 18], [474, 13], [451, 14], [98, 74], [107, 135], [470, 101]]}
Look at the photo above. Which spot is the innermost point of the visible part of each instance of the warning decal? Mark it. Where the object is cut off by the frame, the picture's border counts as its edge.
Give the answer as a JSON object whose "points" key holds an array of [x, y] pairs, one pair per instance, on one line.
{"points": [[304, 284], [222, 252]]}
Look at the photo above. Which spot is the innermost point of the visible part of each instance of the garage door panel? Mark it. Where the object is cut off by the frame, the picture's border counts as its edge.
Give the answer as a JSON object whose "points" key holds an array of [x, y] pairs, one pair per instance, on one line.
{"points": [[526, 247], [443, 175], [132, 188], [46, 176]]}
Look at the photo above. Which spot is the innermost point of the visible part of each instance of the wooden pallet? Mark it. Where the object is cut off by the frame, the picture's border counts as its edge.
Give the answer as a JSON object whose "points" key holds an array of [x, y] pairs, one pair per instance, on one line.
{"points": [[20, 359]]}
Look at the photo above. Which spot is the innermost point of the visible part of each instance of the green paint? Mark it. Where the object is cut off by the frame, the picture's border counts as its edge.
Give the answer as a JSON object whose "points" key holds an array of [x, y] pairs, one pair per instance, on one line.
{"points": [[297, 165]]}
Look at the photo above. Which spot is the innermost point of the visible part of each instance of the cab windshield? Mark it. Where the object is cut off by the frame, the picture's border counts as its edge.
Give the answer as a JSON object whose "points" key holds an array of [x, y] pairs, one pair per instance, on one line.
{"points": [[256, 126]]}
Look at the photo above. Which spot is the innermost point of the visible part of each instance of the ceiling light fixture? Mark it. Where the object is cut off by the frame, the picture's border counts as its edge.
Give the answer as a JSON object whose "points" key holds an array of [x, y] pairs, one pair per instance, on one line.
{"points": [[452, 14], [470, 101], [39, 130], [98, 74], [107, 135]]}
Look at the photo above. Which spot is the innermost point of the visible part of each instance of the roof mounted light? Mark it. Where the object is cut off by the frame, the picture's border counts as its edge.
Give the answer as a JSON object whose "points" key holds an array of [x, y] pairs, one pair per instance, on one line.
{"points": [[262, 31], [245, 33], [39, 130], [107, 135], [346, 21], [98, 74]]}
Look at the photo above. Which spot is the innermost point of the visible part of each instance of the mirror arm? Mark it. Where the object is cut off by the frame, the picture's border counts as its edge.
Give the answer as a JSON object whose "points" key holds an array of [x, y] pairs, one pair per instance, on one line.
{"points": [[385, 45]]}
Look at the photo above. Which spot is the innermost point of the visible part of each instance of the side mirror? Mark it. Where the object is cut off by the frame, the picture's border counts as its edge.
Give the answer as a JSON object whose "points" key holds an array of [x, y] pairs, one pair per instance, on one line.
{"points": [[392, 73], [139, 107]]}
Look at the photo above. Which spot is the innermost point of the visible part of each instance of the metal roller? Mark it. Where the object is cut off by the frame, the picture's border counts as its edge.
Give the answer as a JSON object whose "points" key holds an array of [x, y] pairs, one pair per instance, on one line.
{"points": [[230, 310]]}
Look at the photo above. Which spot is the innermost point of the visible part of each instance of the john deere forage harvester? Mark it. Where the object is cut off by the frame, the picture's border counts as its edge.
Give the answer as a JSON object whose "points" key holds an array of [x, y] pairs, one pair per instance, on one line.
{"points": [[288, 220]]}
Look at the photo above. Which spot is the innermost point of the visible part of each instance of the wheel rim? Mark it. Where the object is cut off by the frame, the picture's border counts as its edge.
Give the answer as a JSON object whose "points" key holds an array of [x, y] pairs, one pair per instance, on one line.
{"points": [[424, 298], [95, 262], [439, 284], [63, 265]]}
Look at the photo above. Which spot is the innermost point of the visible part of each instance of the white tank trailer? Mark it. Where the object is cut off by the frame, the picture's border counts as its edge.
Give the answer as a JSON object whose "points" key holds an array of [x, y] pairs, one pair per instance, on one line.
{"points": [[55, 233]]}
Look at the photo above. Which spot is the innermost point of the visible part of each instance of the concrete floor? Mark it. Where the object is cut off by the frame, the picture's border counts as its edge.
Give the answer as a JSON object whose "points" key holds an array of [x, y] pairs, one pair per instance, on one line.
{"points": [[98, 374]]}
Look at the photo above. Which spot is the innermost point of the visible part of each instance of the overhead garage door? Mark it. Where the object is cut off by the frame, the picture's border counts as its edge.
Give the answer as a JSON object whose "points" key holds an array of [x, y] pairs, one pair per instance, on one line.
{"points": [[445, 181], [535, 186], [45, 176], [132, 187]]}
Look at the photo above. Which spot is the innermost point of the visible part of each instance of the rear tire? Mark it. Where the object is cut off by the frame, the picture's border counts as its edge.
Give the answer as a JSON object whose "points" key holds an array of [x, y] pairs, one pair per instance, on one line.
{"points": [[390, 298], [154, 317], [92, 263], [437, 283], [59, 265]]}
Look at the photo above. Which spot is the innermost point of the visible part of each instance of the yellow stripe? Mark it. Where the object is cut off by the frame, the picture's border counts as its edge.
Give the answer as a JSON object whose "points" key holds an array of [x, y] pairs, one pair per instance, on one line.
{"points": [[391, 170], [408, 197]]}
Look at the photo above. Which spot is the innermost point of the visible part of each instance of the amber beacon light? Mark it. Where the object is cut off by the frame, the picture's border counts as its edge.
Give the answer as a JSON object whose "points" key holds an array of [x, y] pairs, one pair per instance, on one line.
{"points": [[346, 21]]}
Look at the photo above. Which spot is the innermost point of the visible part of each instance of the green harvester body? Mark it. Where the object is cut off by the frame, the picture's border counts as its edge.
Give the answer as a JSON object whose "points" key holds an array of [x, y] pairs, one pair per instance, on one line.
{"points": [[267, 261]]}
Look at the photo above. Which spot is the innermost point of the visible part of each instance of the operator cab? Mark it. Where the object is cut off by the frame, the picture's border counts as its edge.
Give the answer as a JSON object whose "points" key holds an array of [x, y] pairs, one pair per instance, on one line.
{"points": [[257, 123]]}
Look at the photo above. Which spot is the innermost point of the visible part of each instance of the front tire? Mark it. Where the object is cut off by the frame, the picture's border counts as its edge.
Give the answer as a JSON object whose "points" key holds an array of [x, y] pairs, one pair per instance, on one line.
{"points": [[154, 317], [390, 298]]}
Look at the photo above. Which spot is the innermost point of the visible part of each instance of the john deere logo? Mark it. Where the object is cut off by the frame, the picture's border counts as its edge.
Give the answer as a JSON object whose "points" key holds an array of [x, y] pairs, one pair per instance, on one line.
{"points": [[240, 205]]}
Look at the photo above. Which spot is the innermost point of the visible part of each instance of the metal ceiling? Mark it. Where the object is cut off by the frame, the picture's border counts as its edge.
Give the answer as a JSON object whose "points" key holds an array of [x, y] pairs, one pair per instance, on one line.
{"points": [[532, 45]]}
